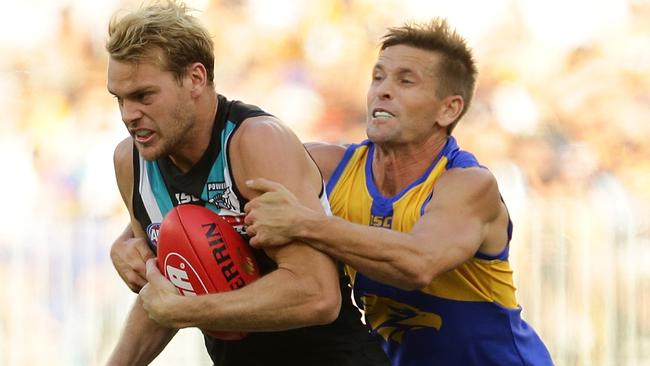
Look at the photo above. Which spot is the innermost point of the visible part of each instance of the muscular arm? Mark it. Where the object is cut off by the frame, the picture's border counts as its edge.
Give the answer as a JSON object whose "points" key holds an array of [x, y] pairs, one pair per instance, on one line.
{"points": [[326, 156], [465, 215], [304, 290], [141, 339]]}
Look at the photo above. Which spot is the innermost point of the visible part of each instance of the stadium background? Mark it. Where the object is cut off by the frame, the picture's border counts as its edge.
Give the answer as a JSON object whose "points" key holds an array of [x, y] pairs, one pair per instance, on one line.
{"points": [[561, 116]]}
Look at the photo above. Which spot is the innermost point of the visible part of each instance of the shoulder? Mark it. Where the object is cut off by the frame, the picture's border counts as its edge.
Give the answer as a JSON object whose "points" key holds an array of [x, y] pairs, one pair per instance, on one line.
{"points": [[123, 161], [123, 157], [123, 149], [471, 176], [263, 147], [264, 133], [327, 156], [475, 187]]}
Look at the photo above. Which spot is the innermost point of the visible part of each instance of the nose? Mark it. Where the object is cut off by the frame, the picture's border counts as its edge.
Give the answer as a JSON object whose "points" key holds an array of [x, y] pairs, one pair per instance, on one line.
{"points": [[130, 112], [383, 90]]}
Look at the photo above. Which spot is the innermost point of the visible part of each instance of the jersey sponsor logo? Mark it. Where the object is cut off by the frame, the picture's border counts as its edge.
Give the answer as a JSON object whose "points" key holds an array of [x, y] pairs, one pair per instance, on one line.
{"points": [[381, 221], [182, 275], [392, 319], [183, 198], [153, 230], [222, 257]]}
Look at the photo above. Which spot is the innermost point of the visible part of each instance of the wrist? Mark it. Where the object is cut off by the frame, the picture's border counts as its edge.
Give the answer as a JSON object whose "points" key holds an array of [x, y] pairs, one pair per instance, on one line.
{"points": [[310, 226], [184, 311]]}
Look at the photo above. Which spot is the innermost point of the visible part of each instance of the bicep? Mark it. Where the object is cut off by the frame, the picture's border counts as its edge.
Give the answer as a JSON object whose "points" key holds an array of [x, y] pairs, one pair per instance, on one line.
{"points": [[267, 149], [327, 156], [123, 163], [457, 220], [273, 152]]}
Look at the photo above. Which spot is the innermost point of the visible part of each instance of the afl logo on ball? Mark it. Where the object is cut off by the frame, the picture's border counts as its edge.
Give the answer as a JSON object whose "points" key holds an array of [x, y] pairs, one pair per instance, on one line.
{"points": [[152, 233], [183, 276]]}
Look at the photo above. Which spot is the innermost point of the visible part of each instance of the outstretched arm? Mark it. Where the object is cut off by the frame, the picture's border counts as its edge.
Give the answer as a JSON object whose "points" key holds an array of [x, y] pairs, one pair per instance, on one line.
{"points": [[464, 216]]}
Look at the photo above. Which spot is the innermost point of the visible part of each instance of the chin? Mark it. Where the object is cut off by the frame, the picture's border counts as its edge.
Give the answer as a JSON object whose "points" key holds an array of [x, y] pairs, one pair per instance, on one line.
{"points": [[378, 138], [150, 153]]}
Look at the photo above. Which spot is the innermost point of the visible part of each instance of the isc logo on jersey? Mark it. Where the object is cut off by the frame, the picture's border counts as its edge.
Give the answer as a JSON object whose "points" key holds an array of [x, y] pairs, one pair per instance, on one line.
{"points": [[183, 276]]}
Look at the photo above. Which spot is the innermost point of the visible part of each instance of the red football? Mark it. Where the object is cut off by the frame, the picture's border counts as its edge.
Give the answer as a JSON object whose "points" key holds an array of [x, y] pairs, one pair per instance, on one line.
{"points": [[201, 253]]}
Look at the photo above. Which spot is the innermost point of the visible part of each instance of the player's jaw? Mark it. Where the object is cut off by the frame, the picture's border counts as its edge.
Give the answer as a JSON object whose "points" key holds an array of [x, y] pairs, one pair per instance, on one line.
{"points": [[149, 143], [163, 136], [383, 124]]}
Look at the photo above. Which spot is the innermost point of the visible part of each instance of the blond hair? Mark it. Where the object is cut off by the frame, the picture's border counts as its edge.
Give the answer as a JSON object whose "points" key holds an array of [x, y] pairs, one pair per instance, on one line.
{"points": [[456, 71], [166, 26]]}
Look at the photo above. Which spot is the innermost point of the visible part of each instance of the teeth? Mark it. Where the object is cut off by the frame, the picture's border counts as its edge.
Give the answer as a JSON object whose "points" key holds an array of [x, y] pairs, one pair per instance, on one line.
{"points": [[382, 114], [143, 133]]}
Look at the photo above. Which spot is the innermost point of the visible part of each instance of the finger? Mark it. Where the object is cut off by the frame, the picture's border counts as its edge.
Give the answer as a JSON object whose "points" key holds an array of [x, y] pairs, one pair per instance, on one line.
{"points": [[253, 241], [157, 280], [153, 273], [136, 263], [143, 249], [248, 207], [135, 281], [265, 185], [250, 230]]}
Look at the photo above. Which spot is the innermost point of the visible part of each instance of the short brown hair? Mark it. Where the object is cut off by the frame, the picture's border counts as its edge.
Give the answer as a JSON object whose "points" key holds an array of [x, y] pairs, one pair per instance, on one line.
{"points": [[167, 26], [456, 71]]}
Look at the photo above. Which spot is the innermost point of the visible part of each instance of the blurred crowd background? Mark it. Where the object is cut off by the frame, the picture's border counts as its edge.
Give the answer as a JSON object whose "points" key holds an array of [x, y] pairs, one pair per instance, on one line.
{"points": [[561, 116]]}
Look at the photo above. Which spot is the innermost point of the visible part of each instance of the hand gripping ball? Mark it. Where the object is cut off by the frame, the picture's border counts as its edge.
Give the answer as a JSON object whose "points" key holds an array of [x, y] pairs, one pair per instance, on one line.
{"points": [[201, 253]]}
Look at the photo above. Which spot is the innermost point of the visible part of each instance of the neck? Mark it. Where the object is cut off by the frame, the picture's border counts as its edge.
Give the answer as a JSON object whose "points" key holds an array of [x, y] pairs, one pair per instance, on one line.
{"points": [[197, 139], [394, 167]]}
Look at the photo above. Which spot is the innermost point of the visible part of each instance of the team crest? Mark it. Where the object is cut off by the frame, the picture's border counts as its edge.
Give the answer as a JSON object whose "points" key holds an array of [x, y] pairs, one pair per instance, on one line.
{"points": [[220, 195], [392, 319]]}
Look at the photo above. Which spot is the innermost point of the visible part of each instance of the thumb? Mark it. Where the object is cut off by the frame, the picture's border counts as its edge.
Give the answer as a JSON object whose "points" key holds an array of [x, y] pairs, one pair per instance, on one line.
{"points": [[264, 185], [153, 273]]}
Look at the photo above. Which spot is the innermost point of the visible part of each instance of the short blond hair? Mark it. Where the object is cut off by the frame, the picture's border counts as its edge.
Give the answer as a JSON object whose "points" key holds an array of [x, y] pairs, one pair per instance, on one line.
{"points": [[164, 25], [456, 71]]}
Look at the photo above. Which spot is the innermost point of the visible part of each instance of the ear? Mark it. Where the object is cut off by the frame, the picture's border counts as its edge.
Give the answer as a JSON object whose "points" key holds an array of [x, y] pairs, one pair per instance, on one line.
{"points": [[450, 108], [198, 77]]}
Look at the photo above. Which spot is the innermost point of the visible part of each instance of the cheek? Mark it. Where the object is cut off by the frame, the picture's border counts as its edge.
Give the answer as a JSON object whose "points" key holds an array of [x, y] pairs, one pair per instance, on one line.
{"points": [[369, 96]]}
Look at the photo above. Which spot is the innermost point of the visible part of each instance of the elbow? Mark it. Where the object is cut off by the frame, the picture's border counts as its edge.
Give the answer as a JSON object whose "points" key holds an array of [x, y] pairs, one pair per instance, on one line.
{"points": [[325, 309], [321, 306], [418, 276], [416, 281]]}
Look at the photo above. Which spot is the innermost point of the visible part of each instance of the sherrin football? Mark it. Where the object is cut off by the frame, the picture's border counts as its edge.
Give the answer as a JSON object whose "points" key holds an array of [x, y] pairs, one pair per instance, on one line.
{"points": [[201, 253]]}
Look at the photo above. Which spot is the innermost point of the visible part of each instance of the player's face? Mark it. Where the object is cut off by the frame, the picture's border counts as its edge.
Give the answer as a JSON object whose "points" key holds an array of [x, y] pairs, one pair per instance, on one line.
{"points": [[156, 109], [402, 101]]}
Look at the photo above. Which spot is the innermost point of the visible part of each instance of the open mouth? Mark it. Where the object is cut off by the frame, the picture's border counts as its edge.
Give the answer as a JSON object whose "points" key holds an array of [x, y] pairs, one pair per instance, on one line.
{"points": [[142, 136], [382, 114]]}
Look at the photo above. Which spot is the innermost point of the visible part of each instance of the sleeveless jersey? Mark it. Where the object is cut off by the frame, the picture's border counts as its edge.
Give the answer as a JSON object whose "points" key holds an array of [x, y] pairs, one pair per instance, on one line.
{"points": [[159, 186], [467, 316]]}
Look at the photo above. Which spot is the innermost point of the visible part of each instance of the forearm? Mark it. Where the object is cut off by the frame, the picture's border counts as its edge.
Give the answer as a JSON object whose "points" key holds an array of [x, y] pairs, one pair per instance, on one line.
{"points": [[141, 339], [281, 300], [387, 256]]}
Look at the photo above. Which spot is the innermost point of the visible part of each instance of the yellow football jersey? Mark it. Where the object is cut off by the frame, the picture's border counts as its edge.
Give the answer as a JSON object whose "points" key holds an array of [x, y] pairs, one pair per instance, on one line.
{"points": [[466, 316]]}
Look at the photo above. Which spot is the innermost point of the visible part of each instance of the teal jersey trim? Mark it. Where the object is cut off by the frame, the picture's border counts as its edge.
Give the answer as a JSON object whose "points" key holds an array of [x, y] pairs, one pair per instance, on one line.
{"points": [[158, 187]]}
